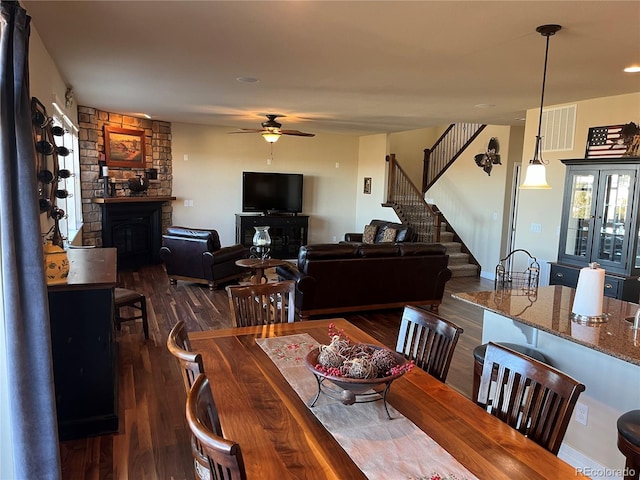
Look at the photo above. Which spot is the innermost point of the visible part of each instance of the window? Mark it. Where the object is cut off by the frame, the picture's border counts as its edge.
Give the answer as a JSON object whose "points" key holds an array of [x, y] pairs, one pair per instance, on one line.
{"points": [[72, 203]]}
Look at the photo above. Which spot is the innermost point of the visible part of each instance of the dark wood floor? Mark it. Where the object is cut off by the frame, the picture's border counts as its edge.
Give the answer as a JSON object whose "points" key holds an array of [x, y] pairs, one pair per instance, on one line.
{"points": [[153, 439]]}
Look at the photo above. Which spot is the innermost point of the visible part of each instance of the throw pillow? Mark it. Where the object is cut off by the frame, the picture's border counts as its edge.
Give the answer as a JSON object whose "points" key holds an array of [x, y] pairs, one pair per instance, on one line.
{"points": [[369, 234], [389, 235]]}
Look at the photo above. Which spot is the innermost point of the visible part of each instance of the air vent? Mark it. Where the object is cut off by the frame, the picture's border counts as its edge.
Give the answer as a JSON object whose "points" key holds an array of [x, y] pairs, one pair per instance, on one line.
{"points": [[558, 128]]}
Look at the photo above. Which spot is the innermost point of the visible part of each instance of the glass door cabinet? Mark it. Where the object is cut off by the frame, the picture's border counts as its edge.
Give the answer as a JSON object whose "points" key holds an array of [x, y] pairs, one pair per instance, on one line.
{"points": [[600, 224]]}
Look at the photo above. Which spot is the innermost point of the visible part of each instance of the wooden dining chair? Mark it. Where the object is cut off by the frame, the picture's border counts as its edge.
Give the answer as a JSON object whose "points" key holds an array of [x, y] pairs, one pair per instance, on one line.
{"points": [[191, 366], [530, 396], [262, 304], [224, 456], [427, 339]]}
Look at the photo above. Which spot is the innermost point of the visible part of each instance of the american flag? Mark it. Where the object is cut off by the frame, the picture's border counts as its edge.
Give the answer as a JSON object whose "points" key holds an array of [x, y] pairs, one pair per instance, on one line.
{"points": [[603, 142]]}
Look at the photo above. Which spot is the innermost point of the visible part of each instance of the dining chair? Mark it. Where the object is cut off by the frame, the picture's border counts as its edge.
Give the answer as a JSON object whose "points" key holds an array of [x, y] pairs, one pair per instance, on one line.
{"points": [[262, 304], [427, 339], [191, 366], [123, 297], [530, 396], [224, 456]]}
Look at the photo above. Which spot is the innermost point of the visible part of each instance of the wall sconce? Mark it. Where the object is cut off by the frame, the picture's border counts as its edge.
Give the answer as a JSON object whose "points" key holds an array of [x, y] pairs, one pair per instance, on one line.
{"points": [[536, 176]]}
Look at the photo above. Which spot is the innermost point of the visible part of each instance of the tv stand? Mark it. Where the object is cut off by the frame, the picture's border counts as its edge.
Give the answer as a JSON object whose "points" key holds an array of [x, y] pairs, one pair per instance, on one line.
{"points": [[288, 232]]}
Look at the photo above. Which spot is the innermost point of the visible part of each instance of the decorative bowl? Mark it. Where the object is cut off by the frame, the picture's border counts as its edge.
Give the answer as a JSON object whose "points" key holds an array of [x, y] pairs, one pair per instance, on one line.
{"points": [[356, 390]]}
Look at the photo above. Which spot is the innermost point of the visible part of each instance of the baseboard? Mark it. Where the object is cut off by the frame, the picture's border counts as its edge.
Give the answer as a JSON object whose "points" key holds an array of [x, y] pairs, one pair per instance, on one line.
{"points": [[587, 466]]}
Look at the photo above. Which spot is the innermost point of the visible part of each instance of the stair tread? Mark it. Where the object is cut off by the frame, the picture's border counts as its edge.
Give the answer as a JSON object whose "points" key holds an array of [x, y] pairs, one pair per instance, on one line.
{"points": [[463, 270]]}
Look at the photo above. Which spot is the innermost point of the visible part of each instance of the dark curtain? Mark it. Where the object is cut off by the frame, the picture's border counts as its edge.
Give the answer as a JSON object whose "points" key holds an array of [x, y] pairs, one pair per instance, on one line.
{"points": [[27, 345]]}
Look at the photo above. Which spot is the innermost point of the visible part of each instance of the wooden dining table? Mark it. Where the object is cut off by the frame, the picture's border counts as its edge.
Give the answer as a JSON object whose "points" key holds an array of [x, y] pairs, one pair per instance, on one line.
{"points": [[281, 438]]}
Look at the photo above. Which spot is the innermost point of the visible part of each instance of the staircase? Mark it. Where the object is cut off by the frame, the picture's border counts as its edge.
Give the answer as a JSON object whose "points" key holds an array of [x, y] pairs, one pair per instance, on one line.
{"points": [[426, 220], [461, 263]]}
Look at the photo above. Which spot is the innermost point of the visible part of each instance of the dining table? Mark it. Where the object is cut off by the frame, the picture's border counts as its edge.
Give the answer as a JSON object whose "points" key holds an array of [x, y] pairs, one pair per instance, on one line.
{"points": [[281, 437]]}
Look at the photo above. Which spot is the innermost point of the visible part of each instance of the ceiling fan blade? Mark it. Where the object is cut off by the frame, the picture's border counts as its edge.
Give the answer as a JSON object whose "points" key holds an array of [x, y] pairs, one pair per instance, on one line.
{"points": [[250, 130], [297, 133]]}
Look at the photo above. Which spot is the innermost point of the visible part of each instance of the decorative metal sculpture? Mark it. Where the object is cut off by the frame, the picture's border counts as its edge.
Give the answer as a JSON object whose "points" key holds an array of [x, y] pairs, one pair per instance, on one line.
{"points": [[491, 157]]}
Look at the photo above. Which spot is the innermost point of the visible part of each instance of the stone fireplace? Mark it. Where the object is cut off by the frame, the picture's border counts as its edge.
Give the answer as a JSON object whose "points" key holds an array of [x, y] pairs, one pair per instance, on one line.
{"points": [[133, 223]]}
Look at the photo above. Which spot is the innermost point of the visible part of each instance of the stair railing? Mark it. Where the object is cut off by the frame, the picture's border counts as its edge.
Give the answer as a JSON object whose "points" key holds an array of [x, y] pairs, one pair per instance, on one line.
{"points": [[409, 204], [437, 159]]}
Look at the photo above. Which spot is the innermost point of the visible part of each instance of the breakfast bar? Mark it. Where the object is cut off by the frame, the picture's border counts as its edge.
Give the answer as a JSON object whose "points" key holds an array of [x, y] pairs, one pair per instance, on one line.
{"points": [[604, 356]]}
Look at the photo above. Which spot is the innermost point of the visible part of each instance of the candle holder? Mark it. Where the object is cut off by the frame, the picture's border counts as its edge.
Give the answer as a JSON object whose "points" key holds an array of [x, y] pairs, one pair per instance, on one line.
{"points": [[261, 243]]}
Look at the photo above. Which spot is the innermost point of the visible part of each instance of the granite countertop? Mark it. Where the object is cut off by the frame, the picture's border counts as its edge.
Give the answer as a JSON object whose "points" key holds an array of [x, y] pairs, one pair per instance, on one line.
{"points": [[549, 309]]}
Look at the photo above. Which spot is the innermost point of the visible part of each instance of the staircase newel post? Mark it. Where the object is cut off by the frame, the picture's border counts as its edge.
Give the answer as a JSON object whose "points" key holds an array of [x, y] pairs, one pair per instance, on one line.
{"points": [[391, 159], [425, 169]]}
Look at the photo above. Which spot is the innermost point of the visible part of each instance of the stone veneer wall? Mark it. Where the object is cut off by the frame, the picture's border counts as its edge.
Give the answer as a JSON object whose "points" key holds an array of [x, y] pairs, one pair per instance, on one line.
{"points": [[91, 144]]}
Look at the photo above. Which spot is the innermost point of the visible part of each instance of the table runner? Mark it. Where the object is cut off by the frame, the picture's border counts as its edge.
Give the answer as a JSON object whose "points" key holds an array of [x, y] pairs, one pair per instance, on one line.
{"points": [[381, 448]]}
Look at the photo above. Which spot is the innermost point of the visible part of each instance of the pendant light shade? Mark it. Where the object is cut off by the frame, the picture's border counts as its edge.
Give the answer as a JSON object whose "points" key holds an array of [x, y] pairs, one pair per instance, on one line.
{"points": [[536, 176]]}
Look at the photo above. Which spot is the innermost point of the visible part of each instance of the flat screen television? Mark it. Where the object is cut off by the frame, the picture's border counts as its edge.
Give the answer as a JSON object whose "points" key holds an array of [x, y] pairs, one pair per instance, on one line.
{"points": [[267, 192]]}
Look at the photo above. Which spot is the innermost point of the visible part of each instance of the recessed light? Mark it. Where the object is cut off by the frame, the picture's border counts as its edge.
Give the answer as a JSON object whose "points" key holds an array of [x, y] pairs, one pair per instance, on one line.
{"points": [[484, 105], [632, 69], [247, 79]]}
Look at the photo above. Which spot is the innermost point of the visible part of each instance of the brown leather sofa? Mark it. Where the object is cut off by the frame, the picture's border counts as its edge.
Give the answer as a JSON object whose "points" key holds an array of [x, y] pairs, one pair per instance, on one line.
{"points": [[344, 277], [196, 255], [403, 233]]}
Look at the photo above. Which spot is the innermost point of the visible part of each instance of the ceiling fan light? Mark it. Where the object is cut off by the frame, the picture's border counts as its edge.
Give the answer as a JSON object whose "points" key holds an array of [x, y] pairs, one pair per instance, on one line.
{"points": [[271, 137], [536, 177]]}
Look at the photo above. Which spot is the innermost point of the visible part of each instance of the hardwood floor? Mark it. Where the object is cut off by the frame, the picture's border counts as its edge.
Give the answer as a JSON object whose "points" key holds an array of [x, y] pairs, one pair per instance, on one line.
{"points": [[153, 438]]}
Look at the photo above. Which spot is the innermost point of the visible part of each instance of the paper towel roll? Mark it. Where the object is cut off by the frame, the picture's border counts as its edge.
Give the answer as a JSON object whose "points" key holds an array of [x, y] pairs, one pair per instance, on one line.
{"points": [[589, 292]]}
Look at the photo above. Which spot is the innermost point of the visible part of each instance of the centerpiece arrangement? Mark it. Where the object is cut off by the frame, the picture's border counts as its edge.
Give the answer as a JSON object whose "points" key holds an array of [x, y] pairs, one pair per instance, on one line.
{"points": [[361, 371]]}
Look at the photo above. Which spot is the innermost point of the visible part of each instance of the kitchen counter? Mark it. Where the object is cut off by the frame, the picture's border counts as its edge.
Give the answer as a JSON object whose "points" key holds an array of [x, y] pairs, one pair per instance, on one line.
{"points": [[549, 309], [605, 357]]}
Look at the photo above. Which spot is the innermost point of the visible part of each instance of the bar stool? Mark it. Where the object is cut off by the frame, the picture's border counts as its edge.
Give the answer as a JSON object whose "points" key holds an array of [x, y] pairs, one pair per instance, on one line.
{"points": [[629, 443], [478, 361], [124, 297]]}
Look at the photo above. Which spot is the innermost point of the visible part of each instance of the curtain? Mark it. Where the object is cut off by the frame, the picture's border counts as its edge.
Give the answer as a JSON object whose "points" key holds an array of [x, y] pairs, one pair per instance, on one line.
{"points": [[28, 406]]}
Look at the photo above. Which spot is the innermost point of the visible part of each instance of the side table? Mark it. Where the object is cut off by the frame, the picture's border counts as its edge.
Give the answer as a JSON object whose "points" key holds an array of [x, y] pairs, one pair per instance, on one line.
{"points": [[259, 266]]}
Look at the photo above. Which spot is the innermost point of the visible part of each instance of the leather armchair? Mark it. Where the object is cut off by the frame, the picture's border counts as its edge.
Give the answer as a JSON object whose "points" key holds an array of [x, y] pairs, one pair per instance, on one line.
{"points": [[196, 255]]}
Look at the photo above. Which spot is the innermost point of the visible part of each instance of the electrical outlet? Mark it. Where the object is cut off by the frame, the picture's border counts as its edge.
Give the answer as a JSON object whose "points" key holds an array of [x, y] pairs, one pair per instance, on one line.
{"points": [[582, 413], [536, 228]]}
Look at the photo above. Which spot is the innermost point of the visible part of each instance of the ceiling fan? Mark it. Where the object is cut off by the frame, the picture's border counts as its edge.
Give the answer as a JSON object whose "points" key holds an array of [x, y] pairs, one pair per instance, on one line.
{"points": [[271, 129]]}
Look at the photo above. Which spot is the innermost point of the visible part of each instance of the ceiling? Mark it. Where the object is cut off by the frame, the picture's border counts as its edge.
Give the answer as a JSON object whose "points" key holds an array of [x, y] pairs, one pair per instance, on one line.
{"points": [[358, 67]]}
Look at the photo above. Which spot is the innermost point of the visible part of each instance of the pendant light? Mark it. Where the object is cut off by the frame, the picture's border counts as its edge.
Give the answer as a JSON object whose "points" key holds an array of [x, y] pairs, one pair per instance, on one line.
{"points": [[535, 177]]}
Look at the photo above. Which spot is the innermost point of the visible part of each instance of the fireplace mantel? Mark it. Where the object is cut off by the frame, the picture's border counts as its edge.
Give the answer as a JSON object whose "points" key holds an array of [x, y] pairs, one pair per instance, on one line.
{"points": [[141, 199]]}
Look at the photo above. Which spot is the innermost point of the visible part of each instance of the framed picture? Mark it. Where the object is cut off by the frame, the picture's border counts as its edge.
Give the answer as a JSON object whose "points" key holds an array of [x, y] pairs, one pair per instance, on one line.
{"points": [[367, 185], [124, 147], [613, 141]]}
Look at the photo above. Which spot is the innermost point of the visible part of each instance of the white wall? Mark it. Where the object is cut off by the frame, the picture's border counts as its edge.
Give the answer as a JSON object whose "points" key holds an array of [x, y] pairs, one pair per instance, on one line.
{"points": [[372, 163], [212, 177]]}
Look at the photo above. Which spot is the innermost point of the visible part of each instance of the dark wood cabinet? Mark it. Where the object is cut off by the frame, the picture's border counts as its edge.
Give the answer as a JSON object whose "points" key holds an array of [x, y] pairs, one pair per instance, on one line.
{"points": [[84, 349], [600, 223], [288, 232]]}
